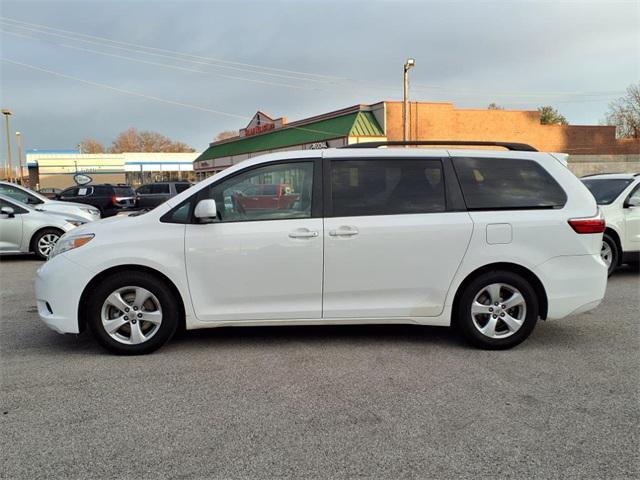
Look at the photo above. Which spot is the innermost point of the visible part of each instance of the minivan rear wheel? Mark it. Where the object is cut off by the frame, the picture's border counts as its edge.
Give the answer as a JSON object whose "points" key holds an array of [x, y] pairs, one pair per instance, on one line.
{"points": [[497, 310], [132, 313]]}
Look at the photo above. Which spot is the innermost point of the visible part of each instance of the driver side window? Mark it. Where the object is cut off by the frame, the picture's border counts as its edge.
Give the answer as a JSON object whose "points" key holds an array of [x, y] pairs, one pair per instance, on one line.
{"points": [[273, 192]]}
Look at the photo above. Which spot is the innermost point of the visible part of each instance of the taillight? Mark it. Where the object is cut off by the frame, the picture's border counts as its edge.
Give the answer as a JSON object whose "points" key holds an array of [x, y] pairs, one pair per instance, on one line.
{"points": [[588, 225], [114, 200]]}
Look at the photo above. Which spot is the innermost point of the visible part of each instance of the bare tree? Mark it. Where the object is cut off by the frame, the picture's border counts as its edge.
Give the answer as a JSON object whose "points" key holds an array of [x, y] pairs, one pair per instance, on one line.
{"points": [[494, 106], [551, 116], [133, 141], [91, 145], [225, 134], [624, 113]]}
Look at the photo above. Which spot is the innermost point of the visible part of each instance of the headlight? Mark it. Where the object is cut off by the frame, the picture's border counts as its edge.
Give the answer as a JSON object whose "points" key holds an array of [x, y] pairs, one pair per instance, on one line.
{"points": [[66, 243], [75, 223], [90, 211]]}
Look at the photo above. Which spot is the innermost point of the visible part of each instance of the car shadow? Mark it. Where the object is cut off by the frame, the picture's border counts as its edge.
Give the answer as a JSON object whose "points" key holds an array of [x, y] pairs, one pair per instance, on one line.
{"points": [[19, 257], [315, 334]]}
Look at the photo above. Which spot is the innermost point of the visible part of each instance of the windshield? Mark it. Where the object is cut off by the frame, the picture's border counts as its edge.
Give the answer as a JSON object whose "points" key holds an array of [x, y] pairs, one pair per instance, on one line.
{"points": [[22, 194], [606, 190]]}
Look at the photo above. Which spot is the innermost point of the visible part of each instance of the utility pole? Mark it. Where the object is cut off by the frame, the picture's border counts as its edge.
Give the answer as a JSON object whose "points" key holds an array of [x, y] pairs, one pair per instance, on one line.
{"points": [[19, 142], [405, 100], [6, 112]]}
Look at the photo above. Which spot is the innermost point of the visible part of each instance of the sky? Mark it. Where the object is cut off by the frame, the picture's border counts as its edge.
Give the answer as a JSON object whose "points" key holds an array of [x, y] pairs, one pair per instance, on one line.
{"points": [[91, 69]]}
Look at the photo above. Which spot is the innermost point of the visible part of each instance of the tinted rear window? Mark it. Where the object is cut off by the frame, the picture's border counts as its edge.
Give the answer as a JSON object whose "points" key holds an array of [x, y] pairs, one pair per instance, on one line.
{"points": [[181, 187], [123, 191], [503, 183], [386, 187], [160, 188], [606, 190]]}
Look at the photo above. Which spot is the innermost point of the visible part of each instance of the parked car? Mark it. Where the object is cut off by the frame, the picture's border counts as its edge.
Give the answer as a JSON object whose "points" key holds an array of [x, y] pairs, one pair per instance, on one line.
{"points": [[24, 229], [618, 195], [154, 194], [50, 193], [40, 202], [109, 199], [486, 241], [266, 197]]}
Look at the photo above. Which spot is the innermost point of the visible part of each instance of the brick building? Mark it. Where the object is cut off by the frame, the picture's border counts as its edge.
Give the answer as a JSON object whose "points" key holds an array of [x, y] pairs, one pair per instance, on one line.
{"points": [[428, 121]]}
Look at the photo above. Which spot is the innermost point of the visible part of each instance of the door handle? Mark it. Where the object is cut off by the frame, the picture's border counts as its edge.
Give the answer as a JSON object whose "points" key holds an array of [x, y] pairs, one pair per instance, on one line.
{"points": [[303, 233], [344, 231]]}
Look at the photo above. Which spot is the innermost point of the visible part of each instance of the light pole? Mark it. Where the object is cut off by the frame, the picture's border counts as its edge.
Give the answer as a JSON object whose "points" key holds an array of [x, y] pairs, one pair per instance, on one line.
{"points": [[405, 100], [6, 112], [19, 142]]}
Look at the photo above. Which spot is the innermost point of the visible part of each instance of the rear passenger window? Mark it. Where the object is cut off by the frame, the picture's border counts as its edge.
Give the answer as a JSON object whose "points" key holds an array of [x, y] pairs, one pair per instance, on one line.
{"points": [[160, 188], [503, 183], [386, 187]]}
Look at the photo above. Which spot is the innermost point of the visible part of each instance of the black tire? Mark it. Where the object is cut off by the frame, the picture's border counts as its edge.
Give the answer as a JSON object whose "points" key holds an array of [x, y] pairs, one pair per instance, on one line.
{"points": [[615, 252], [168, 303], [464, 322], [36, 246]]}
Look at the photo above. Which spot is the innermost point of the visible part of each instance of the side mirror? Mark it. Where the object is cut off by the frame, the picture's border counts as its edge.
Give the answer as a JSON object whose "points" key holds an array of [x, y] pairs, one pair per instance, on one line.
{"points": [[8, 211], [206, 210], [632, 202]]}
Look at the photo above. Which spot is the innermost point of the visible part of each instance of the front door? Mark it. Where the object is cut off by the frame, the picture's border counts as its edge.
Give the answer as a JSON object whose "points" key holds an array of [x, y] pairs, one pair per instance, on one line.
{"points": [[11, 228], [391, 246], [258, 263]]}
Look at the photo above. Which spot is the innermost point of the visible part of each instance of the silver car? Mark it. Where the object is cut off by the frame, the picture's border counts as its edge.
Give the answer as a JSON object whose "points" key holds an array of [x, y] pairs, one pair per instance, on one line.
{"points": [[42, 203], [24, 229]]}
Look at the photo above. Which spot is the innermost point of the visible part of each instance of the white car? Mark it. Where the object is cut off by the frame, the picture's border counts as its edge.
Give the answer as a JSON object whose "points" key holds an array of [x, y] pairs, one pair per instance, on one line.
{"points": [[42, 203], [24, 229], [618, 195], [488, 241]]}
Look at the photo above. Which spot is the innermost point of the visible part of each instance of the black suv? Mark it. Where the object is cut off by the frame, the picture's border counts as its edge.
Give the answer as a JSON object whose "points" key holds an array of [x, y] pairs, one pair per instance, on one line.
{"points": [[153, 194], [109, 199]]}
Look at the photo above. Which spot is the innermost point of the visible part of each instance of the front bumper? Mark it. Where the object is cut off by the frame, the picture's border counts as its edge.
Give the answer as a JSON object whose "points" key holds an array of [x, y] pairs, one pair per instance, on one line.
{"points": [[574, 284], [59, 286]]}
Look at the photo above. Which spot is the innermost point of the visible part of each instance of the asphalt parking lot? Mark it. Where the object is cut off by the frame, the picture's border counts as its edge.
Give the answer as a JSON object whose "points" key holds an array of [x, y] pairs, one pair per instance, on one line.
{"points": [[322, 402]]}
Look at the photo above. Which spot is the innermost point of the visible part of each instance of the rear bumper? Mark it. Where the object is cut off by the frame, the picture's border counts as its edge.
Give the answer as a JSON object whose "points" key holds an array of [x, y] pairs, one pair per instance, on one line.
{"points": [[574, 284], [59, 286]]}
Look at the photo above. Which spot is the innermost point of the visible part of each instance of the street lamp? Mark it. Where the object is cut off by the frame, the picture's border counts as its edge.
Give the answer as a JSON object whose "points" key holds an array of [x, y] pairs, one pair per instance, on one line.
{"points": [[410, 63], [6, 112], [19, 142]]}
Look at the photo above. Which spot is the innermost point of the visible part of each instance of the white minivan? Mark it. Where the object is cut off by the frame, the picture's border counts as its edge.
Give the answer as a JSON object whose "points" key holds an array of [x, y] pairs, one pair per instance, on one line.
{"points": [[487, 241]]}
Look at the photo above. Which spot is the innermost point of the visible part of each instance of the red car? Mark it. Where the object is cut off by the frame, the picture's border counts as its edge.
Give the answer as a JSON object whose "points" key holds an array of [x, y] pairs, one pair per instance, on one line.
{"points": [[266, 197]]}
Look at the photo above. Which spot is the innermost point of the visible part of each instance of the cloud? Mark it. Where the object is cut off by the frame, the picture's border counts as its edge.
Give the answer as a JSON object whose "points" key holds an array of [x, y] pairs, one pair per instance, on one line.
{"points": [[471, 53]]}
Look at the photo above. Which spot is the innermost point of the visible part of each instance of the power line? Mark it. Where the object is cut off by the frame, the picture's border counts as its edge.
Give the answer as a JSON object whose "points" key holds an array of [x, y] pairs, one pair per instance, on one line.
{"points": [[164, 65], [325, 80], [122, 90], [102, 40]]}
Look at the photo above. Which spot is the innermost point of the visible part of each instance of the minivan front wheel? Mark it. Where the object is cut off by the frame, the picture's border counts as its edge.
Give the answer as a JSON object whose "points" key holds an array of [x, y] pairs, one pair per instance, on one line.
{"points": [[132, 313], [497, 310]]}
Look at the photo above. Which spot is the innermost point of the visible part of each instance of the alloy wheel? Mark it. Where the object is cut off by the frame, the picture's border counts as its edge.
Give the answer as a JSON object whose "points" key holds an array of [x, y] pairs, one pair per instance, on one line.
{"points": [[131, 315], [606, 253], [46, 243], [498, 310]]}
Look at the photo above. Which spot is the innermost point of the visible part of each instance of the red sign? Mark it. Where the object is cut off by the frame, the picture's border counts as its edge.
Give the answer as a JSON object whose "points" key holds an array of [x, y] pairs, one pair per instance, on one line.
{"points": [[259, 129]]}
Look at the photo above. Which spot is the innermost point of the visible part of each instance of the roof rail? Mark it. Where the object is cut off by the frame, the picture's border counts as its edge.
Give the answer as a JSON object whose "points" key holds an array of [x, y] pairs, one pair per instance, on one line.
{"points": [[610, 173], [520, 147]]}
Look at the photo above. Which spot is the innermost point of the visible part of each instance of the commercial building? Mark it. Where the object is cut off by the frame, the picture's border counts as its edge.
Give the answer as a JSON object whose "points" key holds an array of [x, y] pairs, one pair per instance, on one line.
{"points": [[56, 168], [427, 121]]}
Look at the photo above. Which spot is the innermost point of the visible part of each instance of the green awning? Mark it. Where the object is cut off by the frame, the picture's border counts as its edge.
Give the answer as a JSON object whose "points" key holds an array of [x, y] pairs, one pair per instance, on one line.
{"points": [[353, 124]]}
